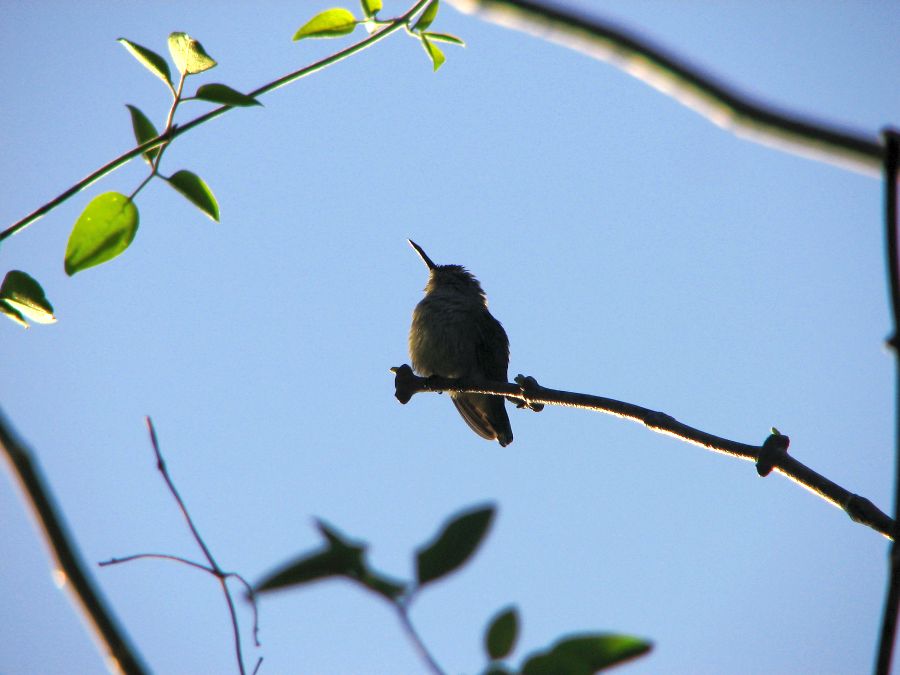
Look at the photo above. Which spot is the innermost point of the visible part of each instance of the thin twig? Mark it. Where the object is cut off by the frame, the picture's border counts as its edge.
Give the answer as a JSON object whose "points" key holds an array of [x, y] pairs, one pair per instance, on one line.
{"points": [[107, 630], [205, 568], [403, 613], [892, 601], [715, 100], [771, 455], [214, 566], [156, 556], [166, 137]]}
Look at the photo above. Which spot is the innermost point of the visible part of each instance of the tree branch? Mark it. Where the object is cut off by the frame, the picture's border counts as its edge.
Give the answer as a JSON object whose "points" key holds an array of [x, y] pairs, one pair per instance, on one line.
{"points": [[719, 103], [771, 455], [109, 633], [892, 601]]}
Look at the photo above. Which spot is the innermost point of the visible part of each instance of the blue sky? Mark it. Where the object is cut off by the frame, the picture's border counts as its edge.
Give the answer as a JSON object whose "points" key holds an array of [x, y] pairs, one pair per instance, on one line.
{"points": [[630, 248]]}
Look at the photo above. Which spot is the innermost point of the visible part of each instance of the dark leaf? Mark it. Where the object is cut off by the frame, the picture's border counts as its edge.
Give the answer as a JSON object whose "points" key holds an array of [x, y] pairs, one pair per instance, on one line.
{"points": [[501, 635], [585, 654], [453, 545]]}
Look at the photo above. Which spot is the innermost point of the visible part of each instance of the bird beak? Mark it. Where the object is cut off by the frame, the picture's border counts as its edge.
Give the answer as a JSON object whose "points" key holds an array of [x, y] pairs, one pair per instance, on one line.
{"points": [[422, 254]]}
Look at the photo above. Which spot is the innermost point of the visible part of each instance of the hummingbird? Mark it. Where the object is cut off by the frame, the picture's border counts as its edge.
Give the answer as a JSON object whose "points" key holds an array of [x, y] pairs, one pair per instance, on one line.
{"points": [[454, 335]]}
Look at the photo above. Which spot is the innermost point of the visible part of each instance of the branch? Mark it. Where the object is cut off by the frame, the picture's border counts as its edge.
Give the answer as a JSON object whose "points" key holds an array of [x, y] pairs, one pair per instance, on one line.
{"points": [[100, 617], [214, 568], [771, 455], [892, 601], [720, 104], [165, 138]]}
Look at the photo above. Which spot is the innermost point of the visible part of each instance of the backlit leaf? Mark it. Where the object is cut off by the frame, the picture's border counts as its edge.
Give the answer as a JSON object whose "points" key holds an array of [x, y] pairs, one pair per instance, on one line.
{"points": [[198, 192], [434, 53], [445, 37], [24, 294], [330, 23], [221, 93], [104, 229], [370, 7], [189, 55], [143, 131], [150, 60], [426, 18]]}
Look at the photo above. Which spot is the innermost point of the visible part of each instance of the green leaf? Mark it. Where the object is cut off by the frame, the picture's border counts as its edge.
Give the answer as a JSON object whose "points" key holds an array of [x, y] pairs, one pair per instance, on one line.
{"points": [[339, 557], [330, 23], [370, 7], [188, 54], [436, 55], [221, 93], [445, 37], [585, 654], [502, 633], [426, 18], [150, 60], [143, 131], [24, 295], [192, 186], [104, 229], [12, 314], [453, 545]]}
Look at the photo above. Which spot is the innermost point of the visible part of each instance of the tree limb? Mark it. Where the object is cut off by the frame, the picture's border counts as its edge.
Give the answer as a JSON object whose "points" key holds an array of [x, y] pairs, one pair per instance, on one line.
{"points": [[772, 455], [715, 100], [119, 650]]}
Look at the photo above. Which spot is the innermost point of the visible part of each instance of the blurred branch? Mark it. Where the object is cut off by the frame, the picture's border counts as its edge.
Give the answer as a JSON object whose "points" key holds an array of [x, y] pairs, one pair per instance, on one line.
{"points": [[212, 568], [171, 134], [119, 650], [892, 601], [771, 455], [718, 102]]}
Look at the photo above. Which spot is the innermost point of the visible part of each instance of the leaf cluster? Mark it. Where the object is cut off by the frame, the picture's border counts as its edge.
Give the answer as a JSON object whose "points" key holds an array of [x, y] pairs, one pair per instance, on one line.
{"points": [[338, 21], [451, 547]]}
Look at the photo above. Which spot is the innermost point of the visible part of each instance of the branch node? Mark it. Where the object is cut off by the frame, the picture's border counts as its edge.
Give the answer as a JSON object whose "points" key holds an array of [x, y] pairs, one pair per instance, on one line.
{"points": [[771, 453], [405, 383], [529, 387]]}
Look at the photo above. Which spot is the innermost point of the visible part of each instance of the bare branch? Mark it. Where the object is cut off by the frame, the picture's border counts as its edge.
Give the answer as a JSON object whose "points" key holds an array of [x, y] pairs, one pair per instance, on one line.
{"points": [[719, 103], [892, 601], [772, 455], [71, 568]]}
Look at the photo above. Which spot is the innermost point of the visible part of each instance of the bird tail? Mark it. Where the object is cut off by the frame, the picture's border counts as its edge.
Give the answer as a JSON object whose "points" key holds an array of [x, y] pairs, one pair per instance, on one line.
{"points": [[486, 415]]}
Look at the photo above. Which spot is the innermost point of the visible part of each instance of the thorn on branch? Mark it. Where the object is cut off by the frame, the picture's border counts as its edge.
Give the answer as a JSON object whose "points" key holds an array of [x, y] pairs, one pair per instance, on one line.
{"points": [[771, 453]]}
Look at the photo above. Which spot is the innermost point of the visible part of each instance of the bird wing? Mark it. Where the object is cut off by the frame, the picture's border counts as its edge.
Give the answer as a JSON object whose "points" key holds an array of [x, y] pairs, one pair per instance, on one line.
{"points": [[492, 349], [475, 413]]}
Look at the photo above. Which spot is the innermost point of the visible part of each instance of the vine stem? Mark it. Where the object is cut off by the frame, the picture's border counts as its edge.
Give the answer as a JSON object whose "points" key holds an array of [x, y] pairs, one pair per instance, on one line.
{"points": [[403, 613], [171, 134], [892, 601]]}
